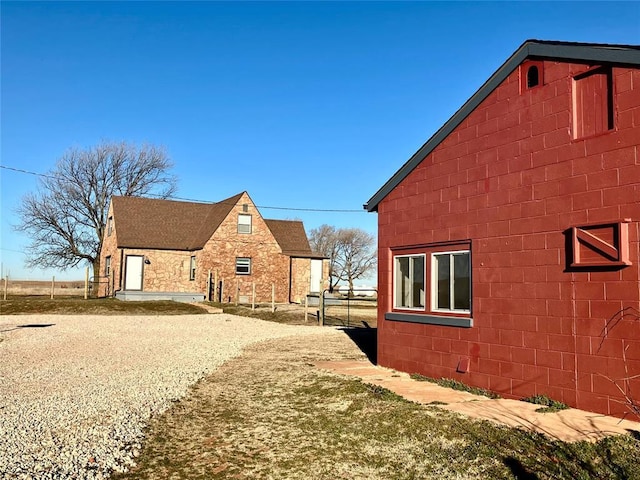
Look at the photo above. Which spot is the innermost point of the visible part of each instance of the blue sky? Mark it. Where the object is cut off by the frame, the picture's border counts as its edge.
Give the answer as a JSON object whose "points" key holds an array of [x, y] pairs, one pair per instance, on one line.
{"points": [[304, 105]]}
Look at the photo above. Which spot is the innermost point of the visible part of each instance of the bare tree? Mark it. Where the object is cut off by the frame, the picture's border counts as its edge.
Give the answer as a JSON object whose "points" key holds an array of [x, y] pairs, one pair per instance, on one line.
{"points": [[66, 217], [351, 252], [356, 255]]}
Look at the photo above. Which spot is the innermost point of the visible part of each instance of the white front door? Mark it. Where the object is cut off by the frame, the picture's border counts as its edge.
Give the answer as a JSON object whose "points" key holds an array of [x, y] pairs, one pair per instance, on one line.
{"points": [[133, 273], [316, 276]]}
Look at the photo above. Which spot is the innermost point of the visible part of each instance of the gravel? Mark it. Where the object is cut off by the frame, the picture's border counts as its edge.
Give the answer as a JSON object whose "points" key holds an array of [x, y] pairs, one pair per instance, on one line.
{"points": [[77, 391]]}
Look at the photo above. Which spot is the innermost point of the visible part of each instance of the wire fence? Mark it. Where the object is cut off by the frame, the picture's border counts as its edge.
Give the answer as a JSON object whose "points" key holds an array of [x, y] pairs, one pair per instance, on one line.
{"points": [[358, 308]]}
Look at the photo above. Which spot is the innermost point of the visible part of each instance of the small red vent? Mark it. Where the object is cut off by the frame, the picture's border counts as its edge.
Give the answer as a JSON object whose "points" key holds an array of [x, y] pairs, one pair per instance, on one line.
{"points": [[602, 245], [463, 365]]}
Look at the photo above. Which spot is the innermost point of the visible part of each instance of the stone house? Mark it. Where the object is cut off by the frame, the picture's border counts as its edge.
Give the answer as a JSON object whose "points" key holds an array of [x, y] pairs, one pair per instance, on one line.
{"points": [[509, 243], [165, 249]]}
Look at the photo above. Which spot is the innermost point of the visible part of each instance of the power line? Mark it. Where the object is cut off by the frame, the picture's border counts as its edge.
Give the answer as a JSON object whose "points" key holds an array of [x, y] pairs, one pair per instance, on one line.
{"points": [[294, 209], [20, 170]]}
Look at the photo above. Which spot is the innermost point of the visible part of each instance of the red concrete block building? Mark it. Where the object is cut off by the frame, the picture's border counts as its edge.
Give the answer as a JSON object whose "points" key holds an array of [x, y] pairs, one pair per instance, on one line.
{"points": [[509, 242]]}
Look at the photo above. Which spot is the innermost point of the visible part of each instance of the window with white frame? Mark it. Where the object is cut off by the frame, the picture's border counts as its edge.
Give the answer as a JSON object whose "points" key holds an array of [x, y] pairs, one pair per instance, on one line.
{"points": [[107, 266], [409, 282], [451, 281], [244, 223], [109, 226], [243, 266], [192, 268]]}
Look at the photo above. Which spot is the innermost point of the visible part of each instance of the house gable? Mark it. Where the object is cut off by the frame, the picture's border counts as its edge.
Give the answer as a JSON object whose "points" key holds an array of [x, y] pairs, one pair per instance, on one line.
{"points": [[594, 54]]}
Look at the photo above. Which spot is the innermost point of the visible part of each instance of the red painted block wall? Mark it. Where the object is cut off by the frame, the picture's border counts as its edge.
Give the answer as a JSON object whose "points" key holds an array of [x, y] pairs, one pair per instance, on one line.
{"points": [[512, 179]]}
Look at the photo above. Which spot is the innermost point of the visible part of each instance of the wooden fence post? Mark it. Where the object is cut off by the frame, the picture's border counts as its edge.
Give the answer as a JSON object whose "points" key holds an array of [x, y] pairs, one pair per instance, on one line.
{"points": [[53, 284], [273, 297], [86, 283], [321, 306], [253, 295]]}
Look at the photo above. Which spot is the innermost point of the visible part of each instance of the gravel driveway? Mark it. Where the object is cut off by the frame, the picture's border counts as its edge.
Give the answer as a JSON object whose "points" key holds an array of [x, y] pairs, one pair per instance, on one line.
{"points": [[77, 391]]}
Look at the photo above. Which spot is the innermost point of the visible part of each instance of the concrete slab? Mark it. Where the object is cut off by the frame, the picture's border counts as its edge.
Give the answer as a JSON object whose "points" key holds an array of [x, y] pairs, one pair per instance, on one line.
{"points": [[569, 425]]}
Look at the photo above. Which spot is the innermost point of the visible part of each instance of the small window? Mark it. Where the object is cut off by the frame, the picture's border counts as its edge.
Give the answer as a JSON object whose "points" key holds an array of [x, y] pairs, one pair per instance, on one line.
{"points": [[451, 281], [109, 226], [409, 282], [592, 103], [192, 268], [531, 75], [533, 78], [244, 223], [243, 266], [107, 266]]}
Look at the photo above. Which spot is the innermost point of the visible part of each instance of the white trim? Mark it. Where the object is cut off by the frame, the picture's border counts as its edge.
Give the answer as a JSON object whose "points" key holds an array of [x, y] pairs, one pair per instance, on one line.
{"points": [[245, 264], [424, 281], [246, 225], [434, 282]]}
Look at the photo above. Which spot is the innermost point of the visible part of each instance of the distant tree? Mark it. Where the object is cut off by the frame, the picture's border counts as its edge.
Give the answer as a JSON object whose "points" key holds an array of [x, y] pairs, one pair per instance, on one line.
{"points": [[356, 256], [351, 252], [66, 217]]}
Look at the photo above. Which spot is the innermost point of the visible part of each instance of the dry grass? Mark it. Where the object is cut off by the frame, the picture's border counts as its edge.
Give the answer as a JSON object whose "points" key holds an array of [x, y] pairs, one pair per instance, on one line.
{"points": [[17, 305], [42, 287], [271, 414]]}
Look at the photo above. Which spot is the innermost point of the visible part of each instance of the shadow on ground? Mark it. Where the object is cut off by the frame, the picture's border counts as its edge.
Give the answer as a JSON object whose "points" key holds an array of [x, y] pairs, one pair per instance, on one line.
{"points": [[31, 325], [366, 340]]}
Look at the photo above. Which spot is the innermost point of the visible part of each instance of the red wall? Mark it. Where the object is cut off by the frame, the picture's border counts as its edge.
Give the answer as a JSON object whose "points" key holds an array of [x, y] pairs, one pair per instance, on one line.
{"points": [[511, 179]]}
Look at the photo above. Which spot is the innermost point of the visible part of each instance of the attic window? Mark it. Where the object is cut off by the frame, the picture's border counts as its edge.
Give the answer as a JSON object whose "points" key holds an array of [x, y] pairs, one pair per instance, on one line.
{"points": [[109, 226], [592, 103], [244, 223], [531, 75]]}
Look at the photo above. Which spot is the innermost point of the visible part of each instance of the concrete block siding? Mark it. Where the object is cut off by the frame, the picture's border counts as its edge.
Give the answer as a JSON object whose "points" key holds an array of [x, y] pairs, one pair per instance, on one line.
{"points": [[511, 178]]}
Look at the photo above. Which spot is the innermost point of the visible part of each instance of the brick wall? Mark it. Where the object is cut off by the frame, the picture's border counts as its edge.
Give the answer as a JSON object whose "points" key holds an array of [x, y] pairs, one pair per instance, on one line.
{"points": [[109, 248], [512, 179]]}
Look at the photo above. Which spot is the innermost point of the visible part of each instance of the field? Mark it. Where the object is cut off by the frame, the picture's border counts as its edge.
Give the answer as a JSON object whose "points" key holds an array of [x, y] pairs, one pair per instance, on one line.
{"points": [[39, 287]]}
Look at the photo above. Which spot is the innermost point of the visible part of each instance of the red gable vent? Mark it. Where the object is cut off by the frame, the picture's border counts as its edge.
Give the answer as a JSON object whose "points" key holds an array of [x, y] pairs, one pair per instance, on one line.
{"points": [[603, 245]]}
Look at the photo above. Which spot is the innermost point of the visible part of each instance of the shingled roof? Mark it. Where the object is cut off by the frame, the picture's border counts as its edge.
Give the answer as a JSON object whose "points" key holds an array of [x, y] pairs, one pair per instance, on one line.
{"points": [[167, 224], [590, 53], [177, 225], [291, 237]]}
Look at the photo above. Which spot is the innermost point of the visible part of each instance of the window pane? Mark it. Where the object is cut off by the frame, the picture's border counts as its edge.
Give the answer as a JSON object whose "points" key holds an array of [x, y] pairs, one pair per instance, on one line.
{"points": [[403, 282], [418, 282], [443, 292], [244, 223], [461, 281], [243, 266]]}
